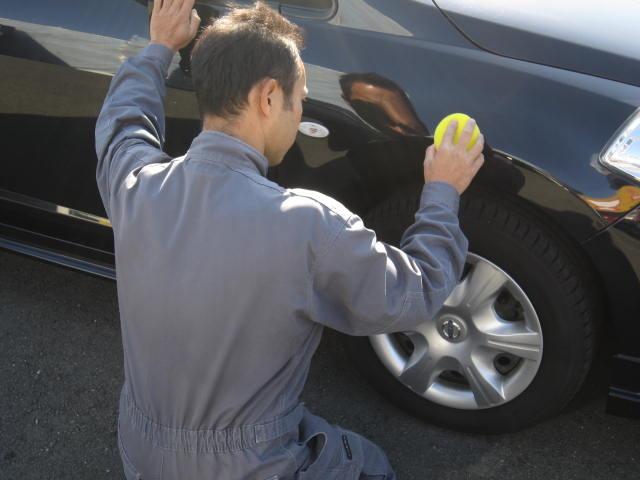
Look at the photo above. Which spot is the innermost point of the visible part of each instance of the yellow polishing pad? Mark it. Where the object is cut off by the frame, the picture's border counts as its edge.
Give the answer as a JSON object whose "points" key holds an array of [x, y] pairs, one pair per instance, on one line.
{"points": [[462, 120]]}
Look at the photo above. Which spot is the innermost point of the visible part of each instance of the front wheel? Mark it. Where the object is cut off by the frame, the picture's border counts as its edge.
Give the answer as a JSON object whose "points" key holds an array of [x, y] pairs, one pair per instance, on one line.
{"points": [[514, 340]]}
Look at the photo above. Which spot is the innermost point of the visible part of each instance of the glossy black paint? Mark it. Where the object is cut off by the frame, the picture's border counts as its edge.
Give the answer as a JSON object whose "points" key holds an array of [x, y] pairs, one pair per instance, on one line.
{"points": [[380, 75], [555, 33], [616, 254], [624, 394]]}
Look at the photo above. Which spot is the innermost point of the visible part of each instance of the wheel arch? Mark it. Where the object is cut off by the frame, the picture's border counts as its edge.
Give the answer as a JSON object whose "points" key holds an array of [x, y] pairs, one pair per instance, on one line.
{"points": [[386, 167], [394, 168]]}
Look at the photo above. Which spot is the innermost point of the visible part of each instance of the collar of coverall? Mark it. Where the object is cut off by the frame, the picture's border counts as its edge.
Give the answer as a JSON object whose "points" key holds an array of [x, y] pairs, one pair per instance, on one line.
{"points": [[216, 146]]}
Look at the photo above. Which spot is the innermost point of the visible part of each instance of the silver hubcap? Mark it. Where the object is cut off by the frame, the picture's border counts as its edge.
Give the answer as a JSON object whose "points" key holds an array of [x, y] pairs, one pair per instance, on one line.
{"points": [[482, 350]]}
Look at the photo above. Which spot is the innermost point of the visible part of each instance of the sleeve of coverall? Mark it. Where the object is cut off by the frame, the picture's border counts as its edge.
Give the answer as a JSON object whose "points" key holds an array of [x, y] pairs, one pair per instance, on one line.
{"points": [[130, 128], [364, 287]]}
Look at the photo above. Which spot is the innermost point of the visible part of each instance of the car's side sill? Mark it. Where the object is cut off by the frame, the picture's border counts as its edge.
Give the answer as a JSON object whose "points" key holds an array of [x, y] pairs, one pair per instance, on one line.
{"points": [[624, 388], [58, 258]]}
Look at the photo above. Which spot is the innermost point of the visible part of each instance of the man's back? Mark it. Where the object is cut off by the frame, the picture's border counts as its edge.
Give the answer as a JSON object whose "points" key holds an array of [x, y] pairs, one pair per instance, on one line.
{"points": [[214, 264]]}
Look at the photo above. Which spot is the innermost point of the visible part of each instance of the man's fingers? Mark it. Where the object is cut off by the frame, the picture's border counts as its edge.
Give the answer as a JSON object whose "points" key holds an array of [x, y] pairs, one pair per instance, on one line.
{"points": [[157, 5], [465, 136], [477, 147], [195, 22], [175, 7], [428, 157], [187, 5], [450, 132], [477, 163]]}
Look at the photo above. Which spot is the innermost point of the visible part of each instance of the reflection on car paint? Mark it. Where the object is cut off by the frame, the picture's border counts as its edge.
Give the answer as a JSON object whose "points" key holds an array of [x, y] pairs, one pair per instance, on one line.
{"points": [[623, 200], [71, 48], [52, 208], [382, 104]]}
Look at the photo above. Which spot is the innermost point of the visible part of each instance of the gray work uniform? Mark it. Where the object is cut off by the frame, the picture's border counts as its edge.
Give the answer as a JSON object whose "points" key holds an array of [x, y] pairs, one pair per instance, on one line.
{"points": [[225, 282]]}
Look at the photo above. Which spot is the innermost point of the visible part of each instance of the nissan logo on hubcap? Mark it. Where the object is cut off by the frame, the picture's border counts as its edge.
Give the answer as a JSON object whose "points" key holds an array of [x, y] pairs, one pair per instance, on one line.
{"points": [[451, 330]]}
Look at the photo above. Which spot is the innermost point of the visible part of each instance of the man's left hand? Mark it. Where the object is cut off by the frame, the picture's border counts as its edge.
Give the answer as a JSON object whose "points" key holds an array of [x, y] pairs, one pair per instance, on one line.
{"points": [[174, 23]]}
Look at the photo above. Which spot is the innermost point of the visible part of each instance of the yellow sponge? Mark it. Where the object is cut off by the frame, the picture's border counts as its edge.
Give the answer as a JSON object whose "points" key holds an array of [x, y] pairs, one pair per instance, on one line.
{"points": [[462, 120]]}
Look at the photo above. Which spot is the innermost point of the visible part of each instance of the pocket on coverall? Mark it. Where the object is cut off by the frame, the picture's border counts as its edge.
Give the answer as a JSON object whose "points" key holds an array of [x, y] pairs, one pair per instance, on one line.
{"points": [[329, 452], [327, 460], [343, 455]]}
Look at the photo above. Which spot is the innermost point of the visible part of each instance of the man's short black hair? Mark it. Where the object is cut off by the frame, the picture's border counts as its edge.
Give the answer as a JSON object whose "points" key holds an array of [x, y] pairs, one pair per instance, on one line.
{"points": [[239, 50]]}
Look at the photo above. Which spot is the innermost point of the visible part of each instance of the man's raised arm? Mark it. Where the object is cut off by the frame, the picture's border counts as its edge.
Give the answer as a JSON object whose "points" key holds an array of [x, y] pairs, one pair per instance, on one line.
{"points": [[130, 129], [364, 287]]}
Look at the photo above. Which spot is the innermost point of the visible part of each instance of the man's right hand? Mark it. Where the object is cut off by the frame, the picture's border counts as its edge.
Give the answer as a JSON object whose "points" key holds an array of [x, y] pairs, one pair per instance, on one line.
{"points": [[174, 23], [452, 162]]}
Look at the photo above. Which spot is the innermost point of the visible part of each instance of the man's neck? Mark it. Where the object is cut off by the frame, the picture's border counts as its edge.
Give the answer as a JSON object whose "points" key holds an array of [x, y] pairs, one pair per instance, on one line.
{"points": [[242, 129]]}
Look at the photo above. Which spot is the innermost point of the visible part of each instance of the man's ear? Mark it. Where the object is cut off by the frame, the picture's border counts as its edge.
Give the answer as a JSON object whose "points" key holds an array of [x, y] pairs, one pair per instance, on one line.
{"points": [[267, 95]]}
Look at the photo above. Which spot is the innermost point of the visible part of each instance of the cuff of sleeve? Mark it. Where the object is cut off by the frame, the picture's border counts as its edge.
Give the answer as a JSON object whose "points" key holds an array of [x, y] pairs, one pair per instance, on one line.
{"points": [[441, 193], [160, 52]]}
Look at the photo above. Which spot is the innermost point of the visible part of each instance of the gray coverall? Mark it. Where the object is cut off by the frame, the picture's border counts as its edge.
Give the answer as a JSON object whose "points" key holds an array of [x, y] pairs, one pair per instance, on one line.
{"points": [[225, 282]]}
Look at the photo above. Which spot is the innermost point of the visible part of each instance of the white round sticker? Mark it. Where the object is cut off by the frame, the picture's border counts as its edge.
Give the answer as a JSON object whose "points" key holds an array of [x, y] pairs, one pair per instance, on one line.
{"points": [[314, 130]]}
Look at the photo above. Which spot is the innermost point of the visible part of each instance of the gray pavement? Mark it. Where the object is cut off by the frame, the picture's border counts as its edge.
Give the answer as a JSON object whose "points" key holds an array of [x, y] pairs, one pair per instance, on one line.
{"points": [[61, 370]]}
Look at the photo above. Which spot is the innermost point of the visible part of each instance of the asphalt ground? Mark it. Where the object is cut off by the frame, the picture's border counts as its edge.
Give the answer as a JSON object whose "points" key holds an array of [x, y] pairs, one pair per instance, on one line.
{"points": [[61, 371]]}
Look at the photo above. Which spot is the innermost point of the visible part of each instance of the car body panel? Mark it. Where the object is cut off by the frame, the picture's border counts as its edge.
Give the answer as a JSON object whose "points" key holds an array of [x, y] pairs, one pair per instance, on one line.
{"points": [[596, 38], [616, 254]]}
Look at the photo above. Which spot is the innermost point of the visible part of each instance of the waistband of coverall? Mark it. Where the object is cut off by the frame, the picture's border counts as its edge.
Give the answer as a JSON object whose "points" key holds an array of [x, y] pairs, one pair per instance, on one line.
{"points": [[210, 441]]}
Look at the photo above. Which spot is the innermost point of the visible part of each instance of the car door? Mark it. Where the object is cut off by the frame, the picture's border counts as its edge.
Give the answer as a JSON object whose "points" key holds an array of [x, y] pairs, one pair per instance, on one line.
{"points": [[57, 60]]}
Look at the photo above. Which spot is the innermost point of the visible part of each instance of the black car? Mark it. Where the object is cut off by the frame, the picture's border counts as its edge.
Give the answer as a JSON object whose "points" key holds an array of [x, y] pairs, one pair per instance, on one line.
{"points": [[552, 218]]}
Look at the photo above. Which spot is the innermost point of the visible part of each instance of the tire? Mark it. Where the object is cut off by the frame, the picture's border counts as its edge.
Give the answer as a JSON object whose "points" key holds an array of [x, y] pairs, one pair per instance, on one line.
{"points": [[554, 278]]}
